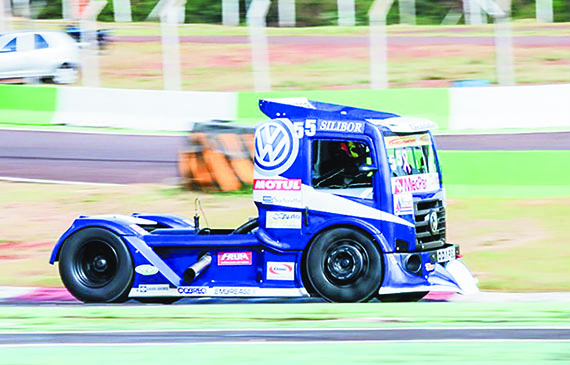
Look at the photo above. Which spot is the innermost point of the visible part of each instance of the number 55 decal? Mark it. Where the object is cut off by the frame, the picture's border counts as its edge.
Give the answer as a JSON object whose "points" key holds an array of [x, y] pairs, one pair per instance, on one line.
{"points": [[308, 129]]}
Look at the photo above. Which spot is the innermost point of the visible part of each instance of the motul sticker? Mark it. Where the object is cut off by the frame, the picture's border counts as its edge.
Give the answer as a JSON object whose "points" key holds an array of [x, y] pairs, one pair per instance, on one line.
{"points": [[277, 184], [280, 271], [234, 258], [415, 183]]}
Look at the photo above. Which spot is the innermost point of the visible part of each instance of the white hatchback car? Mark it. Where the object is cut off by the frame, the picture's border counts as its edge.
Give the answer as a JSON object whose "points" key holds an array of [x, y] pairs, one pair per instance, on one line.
{"points": [[47, 55]]}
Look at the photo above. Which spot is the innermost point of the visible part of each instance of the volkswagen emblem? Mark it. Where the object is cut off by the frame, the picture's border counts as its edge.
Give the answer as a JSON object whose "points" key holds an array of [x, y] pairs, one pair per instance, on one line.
{"points": [[433, 222], [276, 147]]}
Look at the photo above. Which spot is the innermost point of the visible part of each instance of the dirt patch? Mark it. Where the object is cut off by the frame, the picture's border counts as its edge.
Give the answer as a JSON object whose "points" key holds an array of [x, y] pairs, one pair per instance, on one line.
{"points": [[487, 234]]}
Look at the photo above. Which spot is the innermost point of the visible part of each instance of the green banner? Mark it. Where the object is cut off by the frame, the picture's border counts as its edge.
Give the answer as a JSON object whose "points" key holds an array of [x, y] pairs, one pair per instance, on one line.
{"points": [[426, 103], [22, 104], [506, 173]]}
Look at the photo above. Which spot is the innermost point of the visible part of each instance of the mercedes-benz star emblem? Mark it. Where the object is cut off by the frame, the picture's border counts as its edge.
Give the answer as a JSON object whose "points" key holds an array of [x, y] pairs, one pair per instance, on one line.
{"points": [[433, 220]]}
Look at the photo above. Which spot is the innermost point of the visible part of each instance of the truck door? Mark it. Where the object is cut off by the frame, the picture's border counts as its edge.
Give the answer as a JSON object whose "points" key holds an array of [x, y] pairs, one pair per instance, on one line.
{"points": [[344, 167]]}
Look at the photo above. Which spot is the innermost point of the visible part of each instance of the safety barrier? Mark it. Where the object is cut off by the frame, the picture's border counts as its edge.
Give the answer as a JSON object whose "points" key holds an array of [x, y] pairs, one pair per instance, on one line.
{"points": [[219, 156], [452, 109]]}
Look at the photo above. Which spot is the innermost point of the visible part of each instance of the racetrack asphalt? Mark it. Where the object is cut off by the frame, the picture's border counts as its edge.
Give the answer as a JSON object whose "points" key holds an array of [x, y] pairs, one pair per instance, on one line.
{"points": [[363, 40], [288, 335], [123, 159]]}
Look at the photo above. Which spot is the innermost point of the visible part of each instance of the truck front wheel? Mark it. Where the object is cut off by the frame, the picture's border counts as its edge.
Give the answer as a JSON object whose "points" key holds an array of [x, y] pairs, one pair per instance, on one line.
{"points": [[96, 266], [343, 265]]}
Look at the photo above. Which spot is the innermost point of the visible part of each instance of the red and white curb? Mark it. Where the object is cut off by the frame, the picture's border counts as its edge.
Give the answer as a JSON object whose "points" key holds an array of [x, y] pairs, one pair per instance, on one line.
{"points": [[13, 294]]}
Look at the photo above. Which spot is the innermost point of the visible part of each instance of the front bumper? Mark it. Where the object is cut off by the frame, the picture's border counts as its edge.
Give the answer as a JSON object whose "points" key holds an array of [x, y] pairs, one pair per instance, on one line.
{"points": [[433, 271]]}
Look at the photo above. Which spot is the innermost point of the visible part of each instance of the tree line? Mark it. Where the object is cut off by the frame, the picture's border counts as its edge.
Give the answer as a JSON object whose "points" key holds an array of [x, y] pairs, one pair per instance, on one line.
{"points": [[312, 12]]}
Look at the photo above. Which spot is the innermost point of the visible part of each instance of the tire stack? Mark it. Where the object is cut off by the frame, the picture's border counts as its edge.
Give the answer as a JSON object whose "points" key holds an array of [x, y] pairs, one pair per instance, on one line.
{"points": [[219, 156]]}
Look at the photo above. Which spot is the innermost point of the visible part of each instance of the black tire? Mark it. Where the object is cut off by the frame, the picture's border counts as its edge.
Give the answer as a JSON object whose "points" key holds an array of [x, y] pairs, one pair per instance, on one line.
{"points": [[344, 265], [96, 266], [402, 297]]}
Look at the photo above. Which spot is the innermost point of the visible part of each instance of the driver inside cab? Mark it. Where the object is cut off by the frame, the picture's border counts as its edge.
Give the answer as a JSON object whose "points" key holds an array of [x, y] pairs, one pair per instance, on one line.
{"points": [[336, 164]]}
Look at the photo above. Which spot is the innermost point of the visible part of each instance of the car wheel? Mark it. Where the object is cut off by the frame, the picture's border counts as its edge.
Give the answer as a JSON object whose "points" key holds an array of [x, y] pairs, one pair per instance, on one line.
{"points": [[96, 266], [402, 297], [66, 74], [344, 265]]}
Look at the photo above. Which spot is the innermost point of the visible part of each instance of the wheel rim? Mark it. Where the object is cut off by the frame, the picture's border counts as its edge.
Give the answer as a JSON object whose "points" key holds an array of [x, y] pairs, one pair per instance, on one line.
{"points": [[345, 262], [96, 264]]}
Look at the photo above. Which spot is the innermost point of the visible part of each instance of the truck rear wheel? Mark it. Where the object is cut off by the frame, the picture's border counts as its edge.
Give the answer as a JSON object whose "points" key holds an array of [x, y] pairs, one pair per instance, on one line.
{"points": [[343, 265], [96, 266]]}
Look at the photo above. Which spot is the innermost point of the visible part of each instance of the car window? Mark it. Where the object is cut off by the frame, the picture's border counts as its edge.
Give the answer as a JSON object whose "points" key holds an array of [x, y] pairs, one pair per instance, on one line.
{"points": [[10, 46], [337, 163], [40, 42]]}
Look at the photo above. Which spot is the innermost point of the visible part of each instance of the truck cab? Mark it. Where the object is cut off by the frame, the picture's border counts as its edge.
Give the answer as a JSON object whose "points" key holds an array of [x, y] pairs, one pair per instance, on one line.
{"points": [[321, 167]]}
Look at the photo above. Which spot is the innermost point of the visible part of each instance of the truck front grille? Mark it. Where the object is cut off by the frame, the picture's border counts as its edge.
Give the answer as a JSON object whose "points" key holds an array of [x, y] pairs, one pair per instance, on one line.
{"points": [[425, 238]]}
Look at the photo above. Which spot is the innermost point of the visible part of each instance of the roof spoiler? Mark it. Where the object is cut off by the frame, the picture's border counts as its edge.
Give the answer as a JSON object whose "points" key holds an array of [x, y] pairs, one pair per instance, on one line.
{"points": [[302, 108]]}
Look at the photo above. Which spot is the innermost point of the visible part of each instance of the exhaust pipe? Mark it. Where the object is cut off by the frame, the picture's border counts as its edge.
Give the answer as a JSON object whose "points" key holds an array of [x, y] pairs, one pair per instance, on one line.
{"points": [[195, 270]]}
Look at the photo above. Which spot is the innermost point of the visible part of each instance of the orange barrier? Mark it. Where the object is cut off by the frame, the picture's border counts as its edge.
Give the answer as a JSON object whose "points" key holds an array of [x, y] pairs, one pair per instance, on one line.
{"points": [[218, 157]]}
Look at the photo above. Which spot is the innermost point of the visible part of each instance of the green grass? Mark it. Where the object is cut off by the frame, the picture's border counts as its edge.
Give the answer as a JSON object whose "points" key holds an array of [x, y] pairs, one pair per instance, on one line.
{"points": [[314, 315], [306, 315], [275, 353]]}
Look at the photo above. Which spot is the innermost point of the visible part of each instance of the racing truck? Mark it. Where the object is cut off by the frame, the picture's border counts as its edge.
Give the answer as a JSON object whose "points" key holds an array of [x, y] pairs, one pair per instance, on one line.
{"points": [[350, 205]]}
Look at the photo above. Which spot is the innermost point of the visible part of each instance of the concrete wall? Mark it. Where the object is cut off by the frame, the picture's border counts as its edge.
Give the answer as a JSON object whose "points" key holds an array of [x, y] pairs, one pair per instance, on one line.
{"points": [[453, 109]]}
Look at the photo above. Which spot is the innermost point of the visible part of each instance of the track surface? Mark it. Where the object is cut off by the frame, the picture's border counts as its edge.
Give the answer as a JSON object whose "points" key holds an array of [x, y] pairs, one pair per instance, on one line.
{"points": [[292, 335], [121, 159], [521, 41]]}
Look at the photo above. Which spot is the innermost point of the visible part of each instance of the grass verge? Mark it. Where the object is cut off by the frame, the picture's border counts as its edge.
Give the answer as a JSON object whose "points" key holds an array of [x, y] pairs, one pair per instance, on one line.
{"points": [[302, 315]]}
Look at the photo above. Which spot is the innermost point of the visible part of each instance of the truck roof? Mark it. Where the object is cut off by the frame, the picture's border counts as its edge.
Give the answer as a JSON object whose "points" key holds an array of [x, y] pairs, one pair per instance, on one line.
{"points": [[303, 108]]}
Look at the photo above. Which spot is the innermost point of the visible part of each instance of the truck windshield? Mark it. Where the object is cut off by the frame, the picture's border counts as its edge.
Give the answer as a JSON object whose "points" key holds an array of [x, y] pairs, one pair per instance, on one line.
{"points": [[410, 154]]}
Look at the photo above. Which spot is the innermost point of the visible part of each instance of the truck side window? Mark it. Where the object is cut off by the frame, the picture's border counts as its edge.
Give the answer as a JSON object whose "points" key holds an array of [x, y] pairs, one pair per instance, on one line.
{"points": [[336, 164]]}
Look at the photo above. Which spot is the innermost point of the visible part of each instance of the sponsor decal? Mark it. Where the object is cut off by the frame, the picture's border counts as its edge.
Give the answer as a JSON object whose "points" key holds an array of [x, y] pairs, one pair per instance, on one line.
{"points": [[276, 147], [403, 204], [234, 258], [339, 126], [146, 270], [280, 270], [289, 200], [407, 141], [290, 220], [430, 266], [235, 292], [277, 184], [415, 183], [192, 290], [149, 288]]}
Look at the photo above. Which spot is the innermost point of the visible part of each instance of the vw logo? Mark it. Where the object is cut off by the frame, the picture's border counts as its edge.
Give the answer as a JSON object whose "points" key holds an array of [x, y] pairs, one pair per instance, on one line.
{"points": [[276, 147], [433, 222]]}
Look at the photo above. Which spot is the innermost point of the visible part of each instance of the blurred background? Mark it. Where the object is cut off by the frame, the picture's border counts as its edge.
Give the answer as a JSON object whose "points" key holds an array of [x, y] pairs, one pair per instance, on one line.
{"points": [[125, 106]]}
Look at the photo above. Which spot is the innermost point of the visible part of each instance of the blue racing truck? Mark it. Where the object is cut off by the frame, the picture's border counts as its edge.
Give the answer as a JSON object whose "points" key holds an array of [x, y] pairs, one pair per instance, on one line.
{"points": [[351, 207]]}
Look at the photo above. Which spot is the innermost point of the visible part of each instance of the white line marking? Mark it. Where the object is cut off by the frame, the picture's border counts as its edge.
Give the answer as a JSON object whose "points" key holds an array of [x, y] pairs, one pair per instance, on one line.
{"points": [[288, 329], [46, 181], [264, 343]]}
